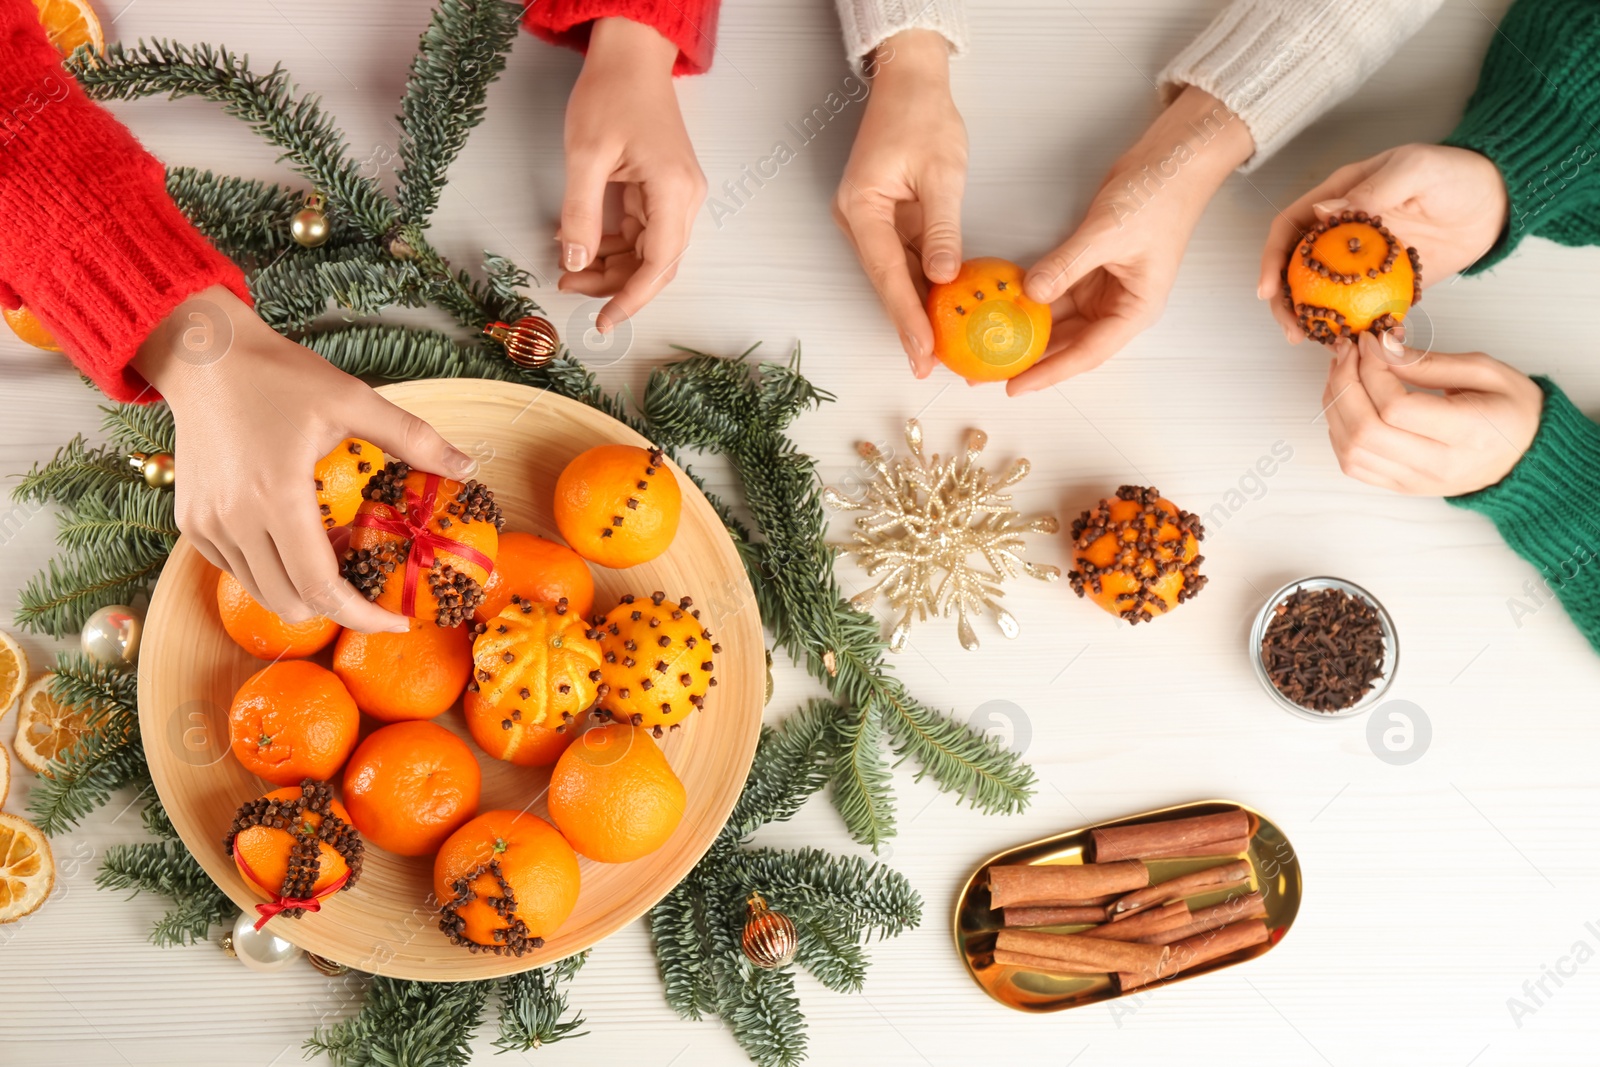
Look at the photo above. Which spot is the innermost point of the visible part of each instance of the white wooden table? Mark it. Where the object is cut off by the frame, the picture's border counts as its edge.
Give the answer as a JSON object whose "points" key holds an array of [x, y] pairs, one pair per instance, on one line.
{"points": [[1434, 891]]}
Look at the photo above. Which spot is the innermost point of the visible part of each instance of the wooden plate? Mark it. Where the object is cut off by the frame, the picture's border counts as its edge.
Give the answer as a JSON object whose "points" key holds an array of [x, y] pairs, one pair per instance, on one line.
{"points": [[1275, 871], [522, 437]]}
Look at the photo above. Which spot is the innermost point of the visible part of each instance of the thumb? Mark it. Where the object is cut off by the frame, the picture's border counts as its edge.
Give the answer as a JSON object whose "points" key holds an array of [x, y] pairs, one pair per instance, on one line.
{"points": [[1444, 371], [582, 209], [941, 231], [1063, 268], [406, 437]]}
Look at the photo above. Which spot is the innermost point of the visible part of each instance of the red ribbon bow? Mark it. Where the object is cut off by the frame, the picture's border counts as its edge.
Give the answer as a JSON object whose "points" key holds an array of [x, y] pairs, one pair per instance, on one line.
{"points": [[411, 523], [282, 903]]}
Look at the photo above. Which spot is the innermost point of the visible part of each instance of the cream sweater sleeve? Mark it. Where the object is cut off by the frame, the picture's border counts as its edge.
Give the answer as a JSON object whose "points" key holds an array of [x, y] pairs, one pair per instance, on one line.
{"points": [[868, 23], [1279, 64]]}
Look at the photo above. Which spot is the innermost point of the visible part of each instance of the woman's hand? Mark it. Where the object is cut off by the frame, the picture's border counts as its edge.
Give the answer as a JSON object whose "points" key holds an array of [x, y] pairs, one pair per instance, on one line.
{"points": [[623, 125], [1388, 436], [899, 202], [1449, 204], [1109, 281], [254, 413]]}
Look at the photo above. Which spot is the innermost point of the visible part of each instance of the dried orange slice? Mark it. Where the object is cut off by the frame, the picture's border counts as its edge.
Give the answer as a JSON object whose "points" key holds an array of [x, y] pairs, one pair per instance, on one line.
{"points": [[26, 325], [5, 774], [13, 672], [70, 23], [46, 728], [27, 872]]}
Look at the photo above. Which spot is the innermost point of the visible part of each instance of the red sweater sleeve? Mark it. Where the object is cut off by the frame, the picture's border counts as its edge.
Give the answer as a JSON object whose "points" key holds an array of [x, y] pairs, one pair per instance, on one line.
{"points": [[89, 241], [689, 24]]}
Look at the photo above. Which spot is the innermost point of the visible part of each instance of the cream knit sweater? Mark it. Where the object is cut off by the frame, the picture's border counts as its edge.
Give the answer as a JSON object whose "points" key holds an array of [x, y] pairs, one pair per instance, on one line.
{"points": [[1279, 64], [868, 23]]}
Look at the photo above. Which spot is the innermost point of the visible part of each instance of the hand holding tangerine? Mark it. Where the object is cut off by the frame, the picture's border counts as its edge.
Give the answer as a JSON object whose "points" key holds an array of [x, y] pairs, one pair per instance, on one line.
{"points": [[985, 328], [1348, 275]]}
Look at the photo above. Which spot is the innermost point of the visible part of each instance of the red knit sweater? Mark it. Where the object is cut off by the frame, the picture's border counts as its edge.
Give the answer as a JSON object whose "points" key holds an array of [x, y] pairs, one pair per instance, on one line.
{"points": [[89, 239]]}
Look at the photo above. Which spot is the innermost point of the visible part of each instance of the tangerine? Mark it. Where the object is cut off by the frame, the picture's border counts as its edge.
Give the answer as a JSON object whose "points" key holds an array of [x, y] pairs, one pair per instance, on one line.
{"points": [[537, 670], [293, 720], [506, 880], [1349, 274], [614, 795], [414, 675], [264, 851], [536, 569], [658, 662], [618, 505], [410, 785], [1137, 554], [263, 633], [395, 508], [340, 477], [26, 325], [984, 326]]}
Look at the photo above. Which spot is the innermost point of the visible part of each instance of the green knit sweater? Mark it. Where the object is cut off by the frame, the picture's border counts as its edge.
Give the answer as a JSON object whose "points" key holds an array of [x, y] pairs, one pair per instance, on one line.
{"points": [[1534, 115]]}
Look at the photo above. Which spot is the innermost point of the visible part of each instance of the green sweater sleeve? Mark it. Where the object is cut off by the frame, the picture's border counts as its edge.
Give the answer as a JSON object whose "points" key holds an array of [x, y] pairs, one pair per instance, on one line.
{"points": [[1534, 115], [1548, 507]]}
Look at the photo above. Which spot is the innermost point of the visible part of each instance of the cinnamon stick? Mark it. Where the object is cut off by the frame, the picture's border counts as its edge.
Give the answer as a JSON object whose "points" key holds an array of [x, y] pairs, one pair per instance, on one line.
{"points": [[1222, 876], [1199, 835], [1052, 916], [1055, 884], [1193, 951], [1151, 922], [1079, 951], [1042, 963], [1237, 909]]}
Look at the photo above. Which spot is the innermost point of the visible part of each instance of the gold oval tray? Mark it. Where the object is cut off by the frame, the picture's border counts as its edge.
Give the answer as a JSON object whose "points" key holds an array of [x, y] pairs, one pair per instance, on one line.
{"points": [[522, 437], [1275, 870]]}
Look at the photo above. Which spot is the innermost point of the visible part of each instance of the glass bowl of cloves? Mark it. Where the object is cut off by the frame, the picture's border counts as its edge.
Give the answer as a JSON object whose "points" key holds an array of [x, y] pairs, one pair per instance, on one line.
{"points": [[1324, 648]]}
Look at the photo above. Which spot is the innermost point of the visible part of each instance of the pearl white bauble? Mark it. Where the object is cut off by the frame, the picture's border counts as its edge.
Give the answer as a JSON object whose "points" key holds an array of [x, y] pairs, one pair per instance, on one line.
{"points": [[111, 636], [260, 950]]}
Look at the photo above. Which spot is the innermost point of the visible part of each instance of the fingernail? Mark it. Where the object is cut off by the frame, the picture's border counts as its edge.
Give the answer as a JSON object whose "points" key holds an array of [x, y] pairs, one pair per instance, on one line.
{"points": [[1037, 286], [1328, 207], [575, 256], [1395, 340], [460, 463], [942, 264]]}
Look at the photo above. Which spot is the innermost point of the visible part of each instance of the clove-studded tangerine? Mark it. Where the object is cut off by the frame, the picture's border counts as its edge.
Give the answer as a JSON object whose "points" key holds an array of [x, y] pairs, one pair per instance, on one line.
{"points": [[618, 505], [1349, 274], [659, 659], [422, 545], [984, 326], [295, 844], [1137, 554], [341, 475]]}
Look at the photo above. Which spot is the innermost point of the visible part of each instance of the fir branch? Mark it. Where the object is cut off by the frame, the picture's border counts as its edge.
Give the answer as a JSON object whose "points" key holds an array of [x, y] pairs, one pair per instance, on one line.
{"points": [[101, 690], [311, 143], [414, 1024], [168, 869], [832, 955], [764, 1017], [140, 427], [404, 353], [462, 51], [58, 599], [74, 473], [533, 1007], [974, 766], [792, 762], [808, 884], [133, 513], [247, 220], [681, 932], [861, 780], [83, 777]]}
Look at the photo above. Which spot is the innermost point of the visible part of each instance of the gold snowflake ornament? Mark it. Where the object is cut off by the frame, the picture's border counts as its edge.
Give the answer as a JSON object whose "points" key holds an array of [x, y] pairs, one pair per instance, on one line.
{"points": [[924, 519]]}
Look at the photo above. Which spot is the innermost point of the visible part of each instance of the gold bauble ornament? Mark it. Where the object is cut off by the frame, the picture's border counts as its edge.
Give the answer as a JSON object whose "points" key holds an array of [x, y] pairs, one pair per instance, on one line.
{"points": [[156, 468], [309, 226], [531, 342], [770, 939]]}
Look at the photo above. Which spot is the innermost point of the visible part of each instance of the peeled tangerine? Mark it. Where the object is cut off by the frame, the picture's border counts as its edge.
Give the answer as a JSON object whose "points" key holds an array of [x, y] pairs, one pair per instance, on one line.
{"points": [[536, 670], [1137, 554], [1350, 274], [984, 327], [658, 662]]}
